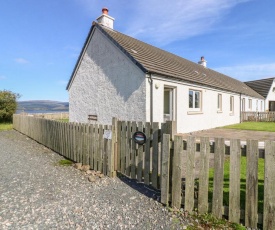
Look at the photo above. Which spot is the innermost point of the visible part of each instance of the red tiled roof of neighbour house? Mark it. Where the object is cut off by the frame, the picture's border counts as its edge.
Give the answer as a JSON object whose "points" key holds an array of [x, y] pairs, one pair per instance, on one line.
{"points": [[154, 60], [261, 86]]}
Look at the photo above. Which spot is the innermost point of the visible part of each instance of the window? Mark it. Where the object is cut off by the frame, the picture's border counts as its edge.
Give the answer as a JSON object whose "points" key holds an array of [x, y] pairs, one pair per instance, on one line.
{"points": [[250, 104], [231, 104], [195, 100], [261, 106], [219, 102], [243, 104]]}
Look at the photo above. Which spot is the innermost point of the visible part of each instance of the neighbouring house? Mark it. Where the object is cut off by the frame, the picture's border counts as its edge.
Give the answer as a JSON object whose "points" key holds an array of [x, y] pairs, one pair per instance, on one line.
{"points": [[120, 76], [266, 88]]}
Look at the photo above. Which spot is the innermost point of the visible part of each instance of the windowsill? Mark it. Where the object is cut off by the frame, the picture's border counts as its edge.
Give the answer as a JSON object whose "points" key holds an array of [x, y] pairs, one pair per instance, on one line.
{"points": [[231, 114], [219, 111], [194, 112]]}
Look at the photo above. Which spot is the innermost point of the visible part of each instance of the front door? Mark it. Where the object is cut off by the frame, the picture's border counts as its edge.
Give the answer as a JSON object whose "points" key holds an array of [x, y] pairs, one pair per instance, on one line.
{"points": [[271, 106], [168, 104]]}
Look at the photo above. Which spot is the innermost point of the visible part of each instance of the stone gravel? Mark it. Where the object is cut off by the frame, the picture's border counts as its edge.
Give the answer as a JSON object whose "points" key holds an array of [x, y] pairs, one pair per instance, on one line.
{"points": [[37, 193]]}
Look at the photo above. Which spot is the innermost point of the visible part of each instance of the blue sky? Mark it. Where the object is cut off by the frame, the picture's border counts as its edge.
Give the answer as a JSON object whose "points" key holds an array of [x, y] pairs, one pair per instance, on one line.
{"points": [[40, 40]]}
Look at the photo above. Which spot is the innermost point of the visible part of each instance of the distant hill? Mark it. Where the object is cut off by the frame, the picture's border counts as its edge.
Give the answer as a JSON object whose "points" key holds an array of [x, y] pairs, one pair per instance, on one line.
{"points": [[42, 106]]}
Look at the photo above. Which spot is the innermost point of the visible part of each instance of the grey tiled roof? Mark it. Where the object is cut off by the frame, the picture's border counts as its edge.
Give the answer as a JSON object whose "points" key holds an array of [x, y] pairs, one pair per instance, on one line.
{"points": [[154, 60], [261, 86]]}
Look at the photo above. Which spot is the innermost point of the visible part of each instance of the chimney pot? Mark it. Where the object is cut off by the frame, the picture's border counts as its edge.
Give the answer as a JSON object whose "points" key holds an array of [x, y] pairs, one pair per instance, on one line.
{"points": [[105, 10], [202, 62]]}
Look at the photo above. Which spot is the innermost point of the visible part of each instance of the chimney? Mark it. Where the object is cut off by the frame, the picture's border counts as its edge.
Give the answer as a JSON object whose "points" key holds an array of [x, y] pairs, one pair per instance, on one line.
{"points": [[105, 19], [202, 62]]}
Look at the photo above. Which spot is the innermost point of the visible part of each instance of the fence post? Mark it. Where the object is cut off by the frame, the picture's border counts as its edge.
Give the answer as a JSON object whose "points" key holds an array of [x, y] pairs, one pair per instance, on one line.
{"points": [[165, 168], [177, 172], [251, 200], [113, 153], [171, 128], [269, 186]]}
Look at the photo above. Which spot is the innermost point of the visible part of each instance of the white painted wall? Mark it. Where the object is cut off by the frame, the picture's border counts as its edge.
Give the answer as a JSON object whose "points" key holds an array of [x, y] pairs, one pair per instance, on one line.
{"points": [[188, 121], [258, 105], [270, 96], [107, 84]]}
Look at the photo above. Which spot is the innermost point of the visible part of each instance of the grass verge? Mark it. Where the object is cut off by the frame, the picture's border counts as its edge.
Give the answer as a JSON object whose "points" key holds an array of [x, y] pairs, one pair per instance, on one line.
{"points": [[5, 126], [256, 126]]}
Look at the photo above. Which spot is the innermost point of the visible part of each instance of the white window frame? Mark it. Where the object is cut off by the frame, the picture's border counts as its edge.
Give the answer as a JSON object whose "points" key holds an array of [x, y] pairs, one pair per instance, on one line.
{"points": [[194, 91], [250, 104], [219, 102], [231, 105]]}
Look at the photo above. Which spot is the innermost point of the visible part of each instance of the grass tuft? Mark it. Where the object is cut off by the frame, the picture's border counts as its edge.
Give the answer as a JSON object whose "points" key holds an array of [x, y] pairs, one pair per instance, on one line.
{"points": [[5, 126], [65, 162], [208, 221]]}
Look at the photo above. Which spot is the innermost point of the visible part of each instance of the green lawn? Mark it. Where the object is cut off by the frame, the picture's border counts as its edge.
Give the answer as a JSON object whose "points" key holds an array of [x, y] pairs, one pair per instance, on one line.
{"points": [[63, 120], [257, 126], [5, 126], [243, 183]]}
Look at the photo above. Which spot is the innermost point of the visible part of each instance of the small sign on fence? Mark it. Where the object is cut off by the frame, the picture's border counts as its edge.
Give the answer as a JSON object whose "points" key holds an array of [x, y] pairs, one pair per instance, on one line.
{"points": [[107, 134], [139, 138]]}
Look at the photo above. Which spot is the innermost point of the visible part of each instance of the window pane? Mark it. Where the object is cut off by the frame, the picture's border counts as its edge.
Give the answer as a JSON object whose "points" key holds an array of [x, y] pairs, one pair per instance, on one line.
{"points": [[166, 102], [231, 104], [219, 101], [190, 99], [197, 99]]}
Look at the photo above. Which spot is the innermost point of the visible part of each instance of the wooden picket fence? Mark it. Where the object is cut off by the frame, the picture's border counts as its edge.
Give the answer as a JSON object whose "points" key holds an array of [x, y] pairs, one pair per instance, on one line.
{"points": [[160, 162], [83, 143], [171, 184], [141, 162], [258, 116]]}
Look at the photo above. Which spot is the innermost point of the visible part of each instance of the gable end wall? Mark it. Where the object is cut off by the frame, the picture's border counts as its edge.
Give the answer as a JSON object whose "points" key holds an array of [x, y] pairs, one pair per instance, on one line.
{"points": [[107, 84]]}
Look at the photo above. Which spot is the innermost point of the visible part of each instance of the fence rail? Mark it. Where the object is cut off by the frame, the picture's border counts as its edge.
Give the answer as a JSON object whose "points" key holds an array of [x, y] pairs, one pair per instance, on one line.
{"points": [[258, 116], [179, 168]]}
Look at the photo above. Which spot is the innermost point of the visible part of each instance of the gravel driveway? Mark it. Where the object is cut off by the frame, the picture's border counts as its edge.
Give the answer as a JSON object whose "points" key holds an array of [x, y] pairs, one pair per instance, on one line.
{"points": [[37, 193]]}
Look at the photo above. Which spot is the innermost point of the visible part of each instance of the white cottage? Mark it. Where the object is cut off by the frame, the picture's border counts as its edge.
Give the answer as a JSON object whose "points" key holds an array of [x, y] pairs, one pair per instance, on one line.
{"points": [[119, 76], [266, 88]]}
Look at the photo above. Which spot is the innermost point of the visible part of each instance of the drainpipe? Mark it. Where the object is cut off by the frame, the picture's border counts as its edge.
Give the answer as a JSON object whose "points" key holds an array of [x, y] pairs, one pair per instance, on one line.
{"points": [[240, 107], [151, 98]]}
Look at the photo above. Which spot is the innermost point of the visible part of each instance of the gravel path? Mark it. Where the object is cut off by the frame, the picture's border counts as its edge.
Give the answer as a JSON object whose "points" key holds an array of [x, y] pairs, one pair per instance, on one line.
{"points": [[37, 193]]}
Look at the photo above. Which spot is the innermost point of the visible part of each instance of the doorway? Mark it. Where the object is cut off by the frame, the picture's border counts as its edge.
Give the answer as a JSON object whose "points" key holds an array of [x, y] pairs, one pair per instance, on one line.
{"points": [[168, 104], [271, 106]]}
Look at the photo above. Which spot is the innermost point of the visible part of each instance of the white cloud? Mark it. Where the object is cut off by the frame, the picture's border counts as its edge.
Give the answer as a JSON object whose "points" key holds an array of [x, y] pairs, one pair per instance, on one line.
{"points": [[165, 21], [249, 72], [176, 20], [21, 60]]}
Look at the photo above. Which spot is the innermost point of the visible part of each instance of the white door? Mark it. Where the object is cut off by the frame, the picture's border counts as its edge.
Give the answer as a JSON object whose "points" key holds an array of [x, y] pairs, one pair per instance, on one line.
{"points": [[168, 104]]}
